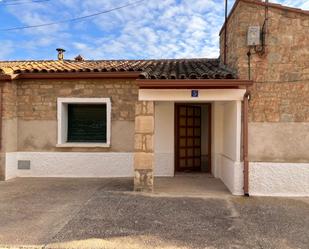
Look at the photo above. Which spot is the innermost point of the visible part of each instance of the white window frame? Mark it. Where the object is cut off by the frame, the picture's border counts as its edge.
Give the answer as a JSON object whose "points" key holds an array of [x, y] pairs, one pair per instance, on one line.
{"points": [[62, 119]]}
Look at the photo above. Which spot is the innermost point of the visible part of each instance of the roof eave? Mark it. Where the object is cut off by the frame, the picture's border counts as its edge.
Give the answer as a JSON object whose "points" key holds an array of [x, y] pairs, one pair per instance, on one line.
{"points": [[71, 75], [193, 83]]}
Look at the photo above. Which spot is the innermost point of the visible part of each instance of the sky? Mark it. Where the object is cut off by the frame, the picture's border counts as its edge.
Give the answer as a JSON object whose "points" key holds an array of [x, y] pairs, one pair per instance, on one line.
{"points": [[152, 29]]}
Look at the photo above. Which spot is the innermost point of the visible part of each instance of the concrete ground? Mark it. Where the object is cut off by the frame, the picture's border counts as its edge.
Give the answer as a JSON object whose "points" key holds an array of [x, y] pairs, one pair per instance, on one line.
{"points": [[104, 213], [191, 184]]}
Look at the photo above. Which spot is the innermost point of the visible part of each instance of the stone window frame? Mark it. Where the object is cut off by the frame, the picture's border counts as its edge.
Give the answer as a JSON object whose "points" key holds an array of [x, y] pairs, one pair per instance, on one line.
{"points": [[62, 120]]}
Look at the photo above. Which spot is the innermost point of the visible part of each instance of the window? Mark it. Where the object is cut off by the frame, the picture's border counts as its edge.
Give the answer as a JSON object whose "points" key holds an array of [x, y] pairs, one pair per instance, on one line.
{"points": [[84, 122]]}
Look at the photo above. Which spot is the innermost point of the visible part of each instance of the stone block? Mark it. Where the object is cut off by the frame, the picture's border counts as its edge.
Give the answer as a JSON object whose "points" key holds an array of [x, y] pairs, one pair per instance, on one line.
{"points": [[144, 124], [144, 108], [148, 144], [138, 142], [287, 118], [79, 86], [65, 91], [150, 107], [143, 142], [124, 114], [138, 108], [305, 22], [274, 57], [46, 86], [143, 160], [143, 180]]}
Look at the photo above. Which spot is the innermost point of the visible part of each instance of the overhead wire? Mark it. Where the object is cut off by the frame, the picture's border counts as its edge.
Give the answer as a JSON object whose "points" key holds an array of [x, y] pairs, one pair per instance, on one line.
{"points": [[6, 3], [76, 19]]}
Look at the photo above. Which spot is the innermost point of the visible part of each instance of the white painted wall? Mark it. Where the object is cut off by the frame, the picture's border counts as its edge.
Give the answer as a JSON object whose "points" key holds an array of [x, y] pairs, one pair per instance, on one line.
{"points": [[184, 95], [216, 137], [164, 139], [265, 178], [226, 135], [232, 175], [268, 178], [232, 130], [70, 164], [10, 165], [278, 179]]}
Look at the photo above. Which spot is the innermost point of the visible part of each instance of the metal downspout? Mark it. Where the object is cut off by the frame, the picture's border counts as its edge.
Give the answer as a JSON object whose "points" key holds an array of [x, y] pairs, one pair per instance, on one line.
{"points": [[245, 143]]}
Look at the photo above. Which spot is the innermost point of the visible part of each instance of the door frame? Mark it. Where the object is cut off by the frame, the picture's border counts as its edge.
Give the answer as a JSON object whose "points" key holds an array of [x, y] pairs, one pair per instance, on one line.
{"points": [[176, 120]]}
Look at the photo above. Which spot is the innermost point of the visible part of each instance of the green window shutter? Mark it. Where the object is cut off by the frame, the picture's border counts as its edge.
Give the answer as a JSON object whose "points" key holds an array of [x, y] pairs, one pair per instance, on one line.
{"points": [[87, 123]]}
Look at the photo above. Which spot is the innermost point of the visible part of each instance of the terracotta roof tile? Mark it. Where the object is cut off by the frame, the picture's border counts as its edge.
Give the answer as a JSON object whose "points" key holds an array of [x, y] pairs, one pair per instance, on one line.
{"points": [[149, 69]]}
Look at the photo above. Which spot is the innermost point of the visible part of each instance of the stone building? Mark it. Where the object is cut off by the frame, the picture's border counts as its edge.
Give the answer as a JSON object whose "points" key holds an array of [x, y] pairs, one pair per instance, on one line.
{"points": [[244, 118]]}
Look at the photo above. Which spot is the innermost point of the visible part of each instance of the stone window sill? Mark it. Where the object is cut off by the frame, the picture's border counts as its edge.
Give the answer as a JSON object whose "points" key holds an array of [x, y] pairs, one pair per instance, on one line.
{"points": [[84, 145]]}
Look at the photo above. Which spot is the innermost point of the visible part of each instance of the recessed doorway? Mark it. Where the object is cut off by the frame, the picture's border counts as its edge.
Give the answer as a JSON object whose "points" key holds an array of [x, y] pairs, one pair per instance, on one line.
{"points": [[192, 137]]}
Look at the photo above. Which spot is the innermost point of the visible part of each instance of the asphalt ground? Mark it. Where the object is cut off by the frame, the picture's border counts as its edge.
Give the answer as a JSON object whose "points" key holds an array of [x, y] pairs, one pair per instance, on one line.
{"points": [[105, 213]]}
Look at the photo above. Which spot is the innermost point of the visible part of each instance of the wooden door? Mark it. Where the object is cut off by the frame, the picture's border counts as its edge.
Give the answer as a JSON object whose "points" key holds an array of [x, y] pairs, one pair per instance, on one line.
{"points": [[188, 137]]}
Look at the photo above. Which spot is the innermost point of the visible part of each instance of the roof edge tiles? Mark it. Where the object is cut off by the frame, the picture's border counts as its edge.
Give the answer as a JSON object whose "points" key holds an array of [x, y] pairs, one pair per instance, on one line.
{"points": [[164, 69]]}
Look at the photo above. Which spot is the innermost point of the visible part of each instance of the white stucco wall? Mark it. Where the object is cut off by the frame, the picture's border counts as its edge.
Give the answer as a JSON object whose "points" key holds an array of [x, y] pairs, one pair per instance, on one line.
{"points": [[10, 165], [232, 130], [278, 179], [164, 139], [184, 95], [232, 175], [70, 164], [226, 134], [216, 138]]}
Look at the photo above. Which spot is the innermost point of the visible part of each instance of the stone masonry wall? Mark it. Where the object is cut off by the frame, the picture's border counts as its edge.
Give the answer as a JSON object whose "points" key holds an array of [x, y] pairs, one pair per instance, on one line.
{"points": [[281, 76], [279, 104], [37, 99], [34, 105], [9, 105], [144, 146]]}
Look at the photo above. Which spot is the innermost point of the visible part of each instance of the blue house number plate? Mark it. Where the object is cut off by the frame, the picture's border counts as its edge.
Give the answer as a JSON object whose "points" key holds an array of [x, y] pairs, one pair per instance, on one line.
{"points": [[194, 93]]}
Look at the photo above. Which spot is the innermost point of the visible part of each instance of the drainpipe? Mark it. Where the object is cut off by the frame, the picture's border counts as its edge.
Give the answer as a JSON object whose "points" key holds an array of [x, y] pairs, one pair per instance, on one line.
{"points": [[265, 28], [266, 19], [245, 143]]}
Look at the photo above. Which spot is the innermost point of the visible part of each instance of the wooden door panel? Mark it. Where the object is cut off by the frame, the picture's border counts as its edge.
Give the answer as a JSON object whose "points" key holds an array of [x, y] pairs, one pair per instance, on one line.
{"points": [[188, 137]]}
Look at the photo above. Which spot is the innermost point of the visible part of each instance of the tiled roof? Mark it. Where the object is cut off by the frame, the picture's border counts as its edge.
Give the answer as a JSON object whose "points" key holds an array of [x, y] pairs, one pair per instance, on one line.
{"points": [[148, 69]]}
